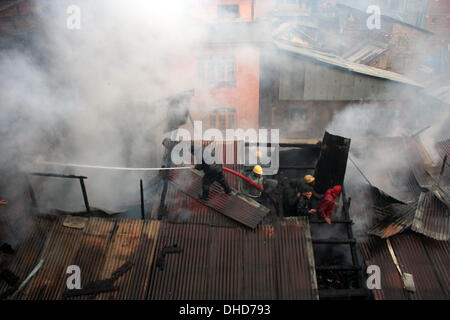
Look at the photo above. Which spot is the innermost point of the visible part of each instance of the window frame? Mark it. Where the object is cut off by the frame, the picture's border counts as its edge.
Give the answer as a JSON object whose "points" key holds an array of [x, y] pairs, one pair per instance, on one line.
{"points": [[213, 119], [224, 12], [217, 70]]}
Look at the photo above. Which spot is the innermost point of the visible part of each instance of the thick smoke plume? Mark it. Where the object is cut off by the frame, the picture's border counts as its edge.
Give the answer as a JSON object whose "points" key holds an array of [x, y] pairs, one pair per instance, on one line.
{"points": [[85, 95]]}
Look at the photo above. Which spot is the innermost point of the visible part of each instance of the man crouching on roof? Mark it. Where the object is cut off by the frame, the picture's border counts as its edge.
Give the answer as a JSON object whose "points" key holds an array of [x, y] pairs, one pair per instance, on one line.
{"points": [[326, 205]]}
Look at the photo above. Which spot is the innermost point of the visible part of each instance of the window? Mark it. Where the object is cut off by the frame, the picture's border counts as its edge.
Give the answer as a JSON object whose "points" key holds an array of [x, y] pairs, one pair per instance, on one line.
{"points": [[228, 11], [224, 118], [217, 70], [299, 115]]}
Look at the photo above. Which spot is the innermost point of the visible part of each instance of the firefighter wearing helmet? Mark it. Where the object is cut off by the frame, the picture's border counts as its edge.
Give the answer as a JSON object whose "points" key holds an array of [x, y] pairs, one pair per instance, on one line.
{"points": [[257, 177]]}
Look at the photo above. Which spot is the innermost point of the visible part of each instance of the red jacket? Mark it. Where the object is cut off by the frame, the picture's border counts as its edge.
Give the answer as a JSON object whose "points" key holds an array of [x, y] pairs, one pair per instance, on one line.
{"points": [[326, 205]]}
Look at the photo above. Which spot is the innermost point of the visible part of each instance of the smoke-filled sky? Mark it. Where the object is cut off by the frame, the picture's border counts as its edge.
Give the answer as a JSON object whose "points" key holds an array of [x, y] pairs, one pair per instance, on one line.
{"points": [[81, 95]]}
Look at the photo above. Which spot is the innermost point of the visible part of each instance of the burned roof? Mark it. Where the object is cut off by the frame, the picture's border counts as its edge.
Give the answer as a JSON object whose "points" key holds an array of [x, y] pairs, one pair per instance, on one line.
{"points": [[432, 217], [168, 260], [239, 208], [365, 52], [426, 259], [443, 148], [420, 205], [335, 61]]}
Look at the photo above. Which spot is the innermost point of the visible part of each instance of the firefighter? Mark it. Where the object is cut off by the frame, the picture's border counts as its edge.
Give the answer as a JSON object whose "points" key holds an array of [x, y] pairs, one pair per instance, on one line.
{"points": [[326, 205], [308, 182], [212, 173], [257, 177], [290, 198], [304, 205]]}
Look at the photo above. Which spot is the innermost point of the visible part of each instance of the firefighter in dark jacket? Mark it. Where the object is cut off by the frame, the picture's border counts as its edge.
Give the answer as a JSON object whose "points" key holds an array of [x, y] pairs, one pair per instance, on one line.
{"points": [[290, 199], [213, 173], [307, 183], [304, 205]]}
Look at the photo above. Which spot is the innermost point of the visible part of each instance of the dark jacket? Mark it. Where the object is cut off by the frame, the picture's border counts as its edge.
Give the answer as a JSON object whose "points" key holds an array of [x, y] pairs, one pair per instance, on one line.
{"points": [[302, 186], [290, 199], [209, 169], [303, 206]]}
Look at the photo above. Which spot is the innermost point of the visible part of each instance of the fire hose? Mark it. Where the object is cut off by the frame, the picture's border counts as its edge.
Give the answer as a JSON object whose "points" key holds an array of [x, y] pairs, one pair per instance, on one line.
{"points": [[257, 186], [159, 169]]}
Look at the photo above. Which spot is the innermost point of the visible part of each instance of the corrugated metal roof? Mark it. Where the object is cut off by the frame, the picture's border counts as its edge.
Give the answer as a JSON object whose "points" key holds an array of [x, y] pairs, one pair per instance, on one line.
{"points": [[270, 262], [432, 217], [336, 61], [425, 211], [365, 52], [400, 217], [443, 148], [29, 250], [98, 249], [234, 206], [426, 259], [182, 208]]}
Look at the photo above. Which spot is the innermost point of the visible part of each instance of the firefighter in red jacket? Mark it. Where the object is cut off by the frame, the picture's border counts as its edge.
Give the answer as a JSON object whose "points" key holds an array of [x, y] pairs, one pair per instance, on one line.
{"points": [[326, 205]]}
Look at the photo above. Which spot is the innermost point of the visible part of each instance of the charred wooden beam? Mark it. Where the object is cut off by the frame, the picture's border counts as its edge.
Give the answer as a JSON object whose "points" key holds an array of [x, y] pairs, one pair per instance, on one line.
{"points": [[70, 176], [85, 197], [332, 163], [444, 162], [162, 202], [56, 175]]}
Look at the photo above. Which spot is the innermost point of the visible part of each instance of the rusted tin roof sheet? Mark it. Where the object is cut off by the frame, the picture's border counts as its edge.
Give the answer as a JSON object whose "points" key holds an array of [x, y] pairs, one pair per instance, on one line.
{"points": [[426, 259], [182, 208], [443, 148], [270, 262], [399, 218], [432, 217], [100, 248], [29, 250], [234, 206], [424, 207]]}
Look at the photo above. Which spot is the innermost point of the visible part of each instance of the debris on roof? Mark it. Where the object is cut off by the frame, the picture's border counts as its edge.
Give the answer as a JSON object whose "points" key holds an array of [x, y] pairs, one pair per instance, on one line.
{"points": [[426, 259], [432, 217], [332, 163], [235, 206], [422, 207], [398, 218], [365, 52], [339, 62], [270, 262]]}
